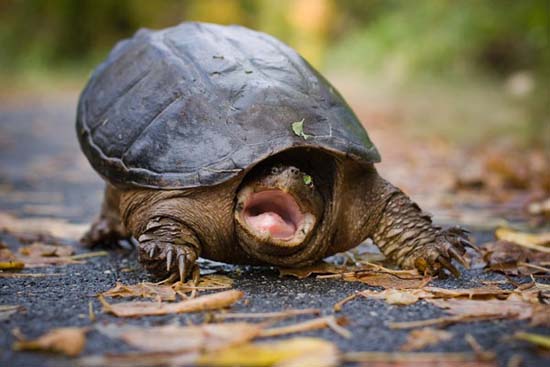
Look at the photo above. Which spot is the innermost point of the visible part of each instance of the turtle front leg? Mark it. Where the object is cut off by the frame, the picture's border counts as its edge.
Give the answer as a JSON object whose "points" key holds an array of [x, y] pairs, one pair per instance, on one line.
{"points": [[407, 235], [167, 248]]}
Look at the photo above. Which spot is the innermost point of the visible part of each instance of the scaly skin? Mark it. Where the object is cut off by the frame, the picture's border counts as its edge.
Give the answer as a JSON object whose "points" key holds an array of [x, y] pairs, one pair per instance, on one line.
{"points": [[407, 236], [174, 227]]}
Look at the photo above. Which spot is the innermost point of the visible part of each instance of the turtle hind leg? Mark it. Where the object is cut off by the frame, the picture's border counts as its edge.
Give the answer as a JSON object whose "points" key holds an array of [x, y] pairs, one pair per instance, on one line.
{"points": [[107, 230], [407, 236]]}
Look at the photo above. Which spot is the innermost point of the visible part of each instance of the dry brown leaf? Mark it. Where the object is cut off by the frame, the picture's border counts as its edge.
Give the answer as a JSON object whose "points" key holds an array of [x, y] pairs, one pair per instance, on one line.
{"points": [[419, 339], [69, 341], [444, 321], [388, 280], [7, 310], [213, 301], [39, 249], [267, 315], [183, 339], [166, 292], [392, 359], [512, 259], [397, 296], [481, 292], [314, 324], [42, 226], [320, 268], [145, 290], [539, 241], [294, 352], [510, 308], [206, 282]]}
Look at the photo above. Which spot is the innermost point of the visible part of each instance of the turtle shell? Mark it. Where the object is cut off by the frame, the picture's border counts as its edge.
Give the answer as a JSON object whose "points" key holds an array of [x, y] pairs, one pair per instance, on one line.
{"points": [[197, 104]]}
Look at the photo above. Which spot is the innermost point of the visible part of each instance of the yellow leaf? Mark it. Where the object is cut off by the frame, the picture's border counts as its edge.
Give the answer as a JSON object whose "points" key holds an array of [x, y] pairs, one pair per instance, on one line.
{"points": [[287, 353], [542, 341], [213, 301]]}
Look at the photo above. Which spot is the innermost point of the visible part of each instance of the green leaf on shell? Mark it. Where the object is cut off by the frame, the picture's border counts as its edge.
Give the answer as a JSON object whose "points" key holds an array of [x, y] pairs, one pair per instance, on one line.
{"points": [[298, 129]]}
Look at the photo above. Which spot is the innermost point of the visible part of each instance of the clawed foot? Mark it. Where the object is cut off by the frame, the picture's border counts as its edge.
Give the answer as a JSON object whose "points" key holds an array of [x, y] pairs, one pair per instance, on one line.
{"points": [[165, 260], [449, 245], [105, 232]]}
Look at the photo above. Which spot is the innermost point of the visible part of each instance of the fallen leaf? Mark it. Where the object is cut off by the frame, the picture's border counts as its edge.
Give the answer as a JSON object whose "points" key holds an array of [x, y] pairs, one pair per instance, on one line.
{"points": [[542, 341], [445, 321], [145, 290], [8, 261], [206, 282], [395, 297], [298, 129], [481, 292], [203, 303], [314, 324], [267, 315], [287, 353], [43, 226], [167, 292], [387, 280], [39, 249], [513, 309], [306, 271], [388, 359], [69, 341], [7, 310], [422, 338], [539, 241], [372, 274], [509, 258], [183, 339]]}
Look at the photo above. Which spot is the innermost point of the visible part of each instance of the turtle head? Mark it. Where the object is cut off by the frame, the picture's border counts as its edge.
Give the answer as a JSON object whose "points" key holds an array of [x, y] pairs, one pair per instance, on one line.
{"points": [[277, 210]]}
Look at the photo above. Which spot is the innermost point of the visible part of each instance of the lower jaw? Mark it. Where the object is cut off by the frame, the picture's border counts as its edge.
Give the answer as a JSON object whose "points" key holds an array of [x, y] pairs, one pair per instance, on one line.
{"points": [[268, 252]]}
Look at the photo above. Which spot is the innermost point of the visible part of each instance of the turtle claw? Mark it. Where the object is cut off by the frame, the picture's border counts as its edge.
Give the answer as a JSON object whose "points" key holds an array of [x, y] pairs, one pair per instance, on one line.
{"points": [[152, 250], [182, 267], [437, 256], [169, 257], [455, 255], [165, 260], [448, 265]]}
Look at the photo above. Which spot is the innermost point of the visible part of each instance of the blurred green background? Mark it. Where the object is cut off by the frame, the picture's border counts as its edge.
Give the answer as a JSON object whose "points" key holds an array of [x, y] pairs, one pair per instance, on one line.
{"points": [[468, 69]]}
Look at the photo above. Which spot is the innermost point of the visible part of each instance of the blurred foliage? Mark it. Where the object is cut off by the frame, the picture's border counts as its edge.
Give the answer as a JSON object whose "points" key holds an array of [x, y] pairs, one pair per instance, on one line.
{"points": [[489, 41]]}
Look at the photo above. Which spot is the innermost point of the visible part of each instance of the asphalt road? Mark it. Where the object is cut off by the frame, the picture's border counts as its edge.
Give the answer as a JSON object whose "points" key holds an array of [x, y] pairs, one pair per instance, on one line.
{"points": [[42, 171]]}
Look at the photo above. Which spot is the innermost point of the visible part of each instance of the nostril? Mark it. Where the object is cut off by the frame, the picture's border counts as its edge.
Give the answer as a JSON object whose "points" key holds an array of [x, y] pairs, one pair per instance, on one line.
{"points": [[294, 171]]}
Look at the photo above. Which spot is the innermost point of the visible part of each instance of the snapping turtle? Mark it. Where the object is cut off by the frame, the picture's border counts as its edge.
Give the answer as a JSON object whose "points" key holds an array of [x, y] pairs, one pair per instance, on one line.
{"points": [[222, 142]]}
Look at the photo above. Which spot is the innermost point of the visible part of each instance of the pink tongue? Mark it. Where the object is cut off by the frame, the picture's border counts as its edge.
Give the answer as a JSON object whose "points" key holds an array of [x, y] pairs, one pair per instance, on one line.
{"points": [[272, 222]]}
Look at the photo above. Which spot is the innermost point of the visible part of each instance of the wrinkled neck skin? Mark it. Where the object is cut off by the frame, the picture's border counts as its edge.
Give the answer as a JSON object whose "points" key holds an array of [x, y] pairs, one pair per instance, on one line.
{"points": [[278, 213]]}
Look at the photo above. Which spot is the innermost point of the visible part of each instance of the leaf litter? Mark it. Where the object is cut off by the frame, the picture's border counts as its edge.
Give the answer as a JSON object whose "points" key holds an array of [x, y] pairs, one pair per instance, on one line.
{"points": [[207, 302], [421, 338], [69, 341]]}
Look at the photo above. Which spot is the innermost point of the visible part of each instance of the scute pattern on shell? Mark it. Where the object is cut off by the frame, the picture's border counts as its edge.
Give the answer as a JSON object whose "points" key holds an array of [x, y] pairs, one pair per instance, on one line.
{"points": [[196, 104]]}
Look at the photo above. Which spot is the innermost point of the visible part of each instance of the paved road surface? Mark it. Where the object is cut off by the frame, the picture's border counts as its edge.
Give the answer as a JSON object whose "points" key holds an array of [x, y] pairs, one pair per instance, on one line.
{"points": [[42, 172]]}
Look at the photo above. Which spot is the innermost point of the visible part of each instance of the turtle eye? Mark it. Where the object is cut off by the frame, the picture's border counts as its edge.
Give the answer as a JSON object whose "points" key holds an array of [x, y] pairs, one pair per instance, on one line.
{"points": [[275, 170]]}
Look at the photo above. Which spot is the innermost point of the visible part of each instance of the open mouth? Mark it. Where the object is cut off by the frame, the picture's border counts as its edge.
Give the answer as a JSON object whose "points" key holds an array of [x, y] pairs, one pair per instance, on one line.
{"points": [[275, 212]]}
